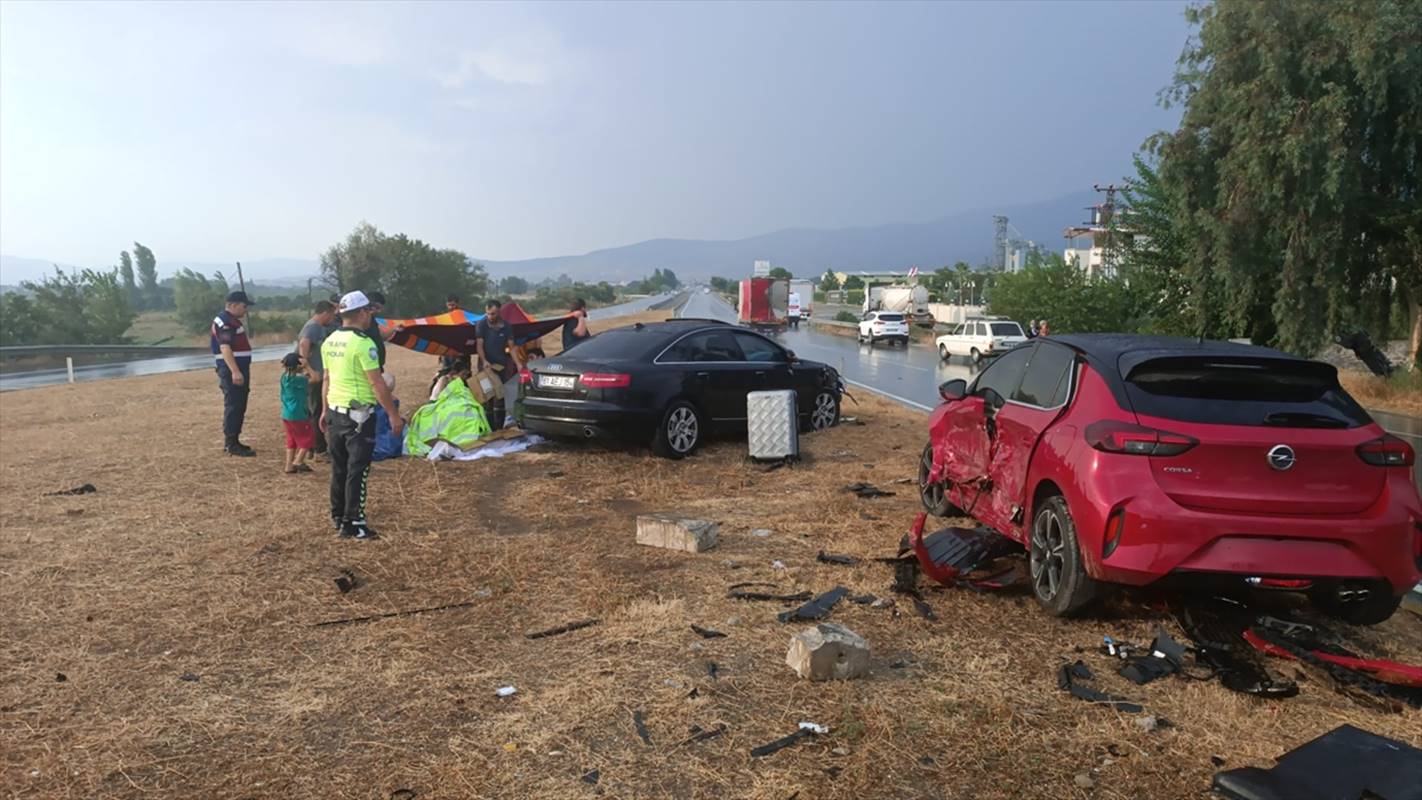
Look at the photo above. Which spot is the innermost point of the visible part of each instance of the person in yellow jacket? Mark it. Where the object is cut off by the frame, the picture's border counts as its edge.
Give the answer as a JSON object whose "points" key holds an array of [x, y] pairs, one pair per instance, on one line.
{"points": [[351, 388]]}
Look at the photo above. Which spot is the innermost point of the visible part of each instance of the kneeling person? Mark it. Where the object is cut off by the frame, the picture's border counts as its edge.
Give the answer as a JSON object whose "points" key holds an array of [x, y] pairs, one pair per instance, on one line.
{"points": [[351, 389]]}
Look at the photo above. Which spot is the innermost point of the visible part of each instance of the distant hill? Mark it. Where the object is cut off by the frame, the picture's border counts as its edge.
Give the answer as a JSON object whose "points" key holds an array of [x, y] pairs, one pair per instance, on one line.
{"points": [[965, 236]]}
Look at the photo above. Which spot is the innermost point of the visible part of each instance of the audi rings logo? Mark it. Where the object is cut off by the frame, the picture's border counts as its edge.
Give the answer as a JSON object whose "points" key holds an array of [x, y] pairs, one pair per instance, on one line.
{"points": [[1281, 457]]}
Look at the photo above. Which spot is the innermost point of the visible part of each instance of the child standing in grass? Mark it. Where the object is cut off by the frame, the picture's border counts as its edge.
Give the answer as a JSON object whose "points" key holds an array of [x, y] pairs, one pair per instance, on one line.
{"points": [[295, 417]]}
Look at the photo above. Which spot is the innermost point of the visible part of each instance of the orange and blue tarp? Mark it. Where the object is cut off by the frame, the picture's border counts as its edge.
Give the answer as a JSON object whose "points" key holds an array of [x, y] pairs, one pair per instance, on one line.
{"points": [[452, 333]]}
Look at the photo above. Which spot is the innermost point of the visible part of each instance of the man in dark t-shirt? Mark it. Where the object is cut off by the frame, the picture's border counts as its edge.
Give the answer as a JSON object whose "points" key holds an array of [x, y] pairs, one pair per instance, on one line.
{"points": [[492, 336], [575, 329]]}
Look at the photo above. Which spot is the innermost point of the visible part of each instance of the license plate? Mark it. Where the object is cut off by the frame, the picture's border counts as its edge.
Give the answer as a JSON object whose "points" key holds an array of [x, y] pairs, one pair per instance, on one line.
{"points": [[556, 381]]}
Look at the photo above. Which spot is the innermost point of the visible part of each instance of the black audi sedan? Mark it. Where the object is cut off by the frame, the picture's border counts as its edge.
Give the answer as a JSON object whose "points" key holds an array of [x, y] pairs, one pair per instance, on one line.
{"points": [[671, 384]]}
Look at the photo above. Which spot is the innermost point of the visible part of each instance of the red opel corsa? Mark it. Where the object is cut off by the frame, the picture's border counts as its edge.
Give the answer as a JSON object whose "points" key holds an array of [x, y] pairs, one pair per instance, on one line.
{"points": [[1125, 459]]}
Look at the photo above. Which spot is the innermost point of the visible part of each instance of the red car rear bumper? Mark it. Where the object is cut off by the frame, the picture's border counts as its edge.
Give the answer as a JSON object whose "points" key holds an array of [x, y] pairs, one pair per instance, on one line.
{"points": [[1158, 536]]}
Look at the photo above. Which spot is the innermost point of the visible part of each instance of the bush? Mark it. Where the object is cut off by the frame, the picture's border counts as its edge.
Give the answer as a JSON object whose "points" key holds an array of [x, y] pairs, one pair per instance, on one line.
{"points": [[854, 297], [845, 316]]}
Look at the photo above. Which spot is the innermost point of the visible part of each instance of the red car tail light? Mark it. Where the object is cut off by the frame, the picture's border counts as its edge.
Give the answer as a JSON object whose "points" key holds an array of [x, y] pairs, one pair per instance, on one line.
{"points": [[1114, 436], [605, 380], [1387, 451]]}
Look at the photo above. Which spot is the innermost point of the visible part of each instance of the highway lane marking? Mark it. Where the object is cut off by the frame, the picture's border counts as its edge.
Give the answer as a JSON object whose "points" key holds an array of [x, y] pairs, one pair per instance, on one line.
{"points": [[877, 390]]}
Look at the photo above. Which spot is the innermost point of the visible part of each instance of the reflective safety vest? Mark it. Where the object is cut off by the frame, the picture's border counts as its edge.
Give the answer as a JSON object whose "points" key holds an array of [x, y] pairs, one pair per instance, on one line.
{"points": [[454, 417]]}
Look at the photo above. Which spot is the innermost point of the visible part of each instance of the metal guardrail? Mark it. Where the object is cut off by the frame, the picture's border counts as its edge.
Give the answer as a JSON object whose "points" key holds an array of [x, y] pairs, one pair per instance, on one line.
{"points": [[91, 349]]}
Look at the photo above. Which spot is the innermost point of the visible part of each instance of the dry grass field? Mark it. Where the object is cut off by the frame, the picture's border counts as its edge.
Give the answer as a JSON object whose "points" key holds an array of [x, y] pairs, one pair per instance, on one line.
{"points": [[161, 638]]}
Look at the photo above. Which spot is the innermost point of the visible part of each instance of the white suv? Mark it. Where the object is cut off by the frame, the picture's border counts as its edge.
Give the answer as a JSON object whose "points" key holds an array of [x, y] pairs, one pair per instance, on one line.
{"points": [[878, 326], [980, 338]]}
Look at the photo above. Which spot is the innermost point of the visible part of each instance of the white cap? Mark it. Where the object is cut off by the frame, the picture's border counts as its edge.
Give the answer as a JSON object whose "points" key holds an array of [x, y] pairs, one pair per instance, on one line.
{"points": [[354, 300]]}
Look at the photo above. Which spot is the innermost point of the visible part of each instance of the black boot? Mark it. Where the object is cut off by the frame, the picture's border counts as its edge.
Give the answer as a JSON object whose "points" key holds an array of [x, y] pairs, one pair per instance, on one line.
{"points": [[236, 448]]}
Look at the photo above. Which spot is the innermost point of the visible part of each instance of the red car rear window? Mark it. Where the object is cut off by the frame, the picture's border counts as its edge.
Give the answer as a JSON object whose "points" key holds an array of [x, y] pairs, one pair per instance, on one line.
{"points": [[1243, 392]]}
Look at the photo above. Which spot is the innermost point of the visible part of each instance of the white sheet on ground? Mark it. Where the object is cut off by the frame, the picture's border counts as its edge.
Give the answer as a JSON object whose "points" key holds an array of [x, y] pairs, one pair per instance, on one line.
{"points": [[444, 451]]}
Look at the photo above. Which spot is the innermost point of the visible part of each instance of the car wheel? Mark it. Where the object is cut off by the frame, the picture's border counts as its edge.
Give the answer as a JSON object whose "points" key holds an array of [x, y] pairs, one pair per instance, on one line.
{"points": [[975, 356], [1059, 578], [943, 352], [680, 431], [1359, 606], [934, 495], [825, 413]]}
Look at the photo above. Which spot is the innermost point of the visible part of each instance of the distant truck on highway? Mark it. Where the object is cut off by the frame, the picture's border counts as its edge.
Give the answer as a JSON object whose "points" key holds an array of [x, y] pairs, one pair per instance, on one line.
{"points": [[911, 301], [764, 302], [806, 290]]}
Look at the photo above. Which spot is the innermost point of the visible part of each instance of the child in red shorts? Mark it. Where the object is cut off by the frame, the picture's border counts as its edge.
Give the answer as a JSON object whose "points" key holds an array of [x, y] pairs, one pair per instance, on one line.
{"points": [[295, 418]]}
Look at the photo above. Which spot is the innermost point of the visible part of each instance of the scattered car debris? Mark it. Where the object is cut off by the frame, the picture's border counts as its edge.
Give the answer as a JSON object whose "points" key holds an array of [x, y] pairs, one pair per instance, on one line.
{"points": [[561, 629], [830, 558], [1217, 635], [833, 772], [805, 731], [1346, 762], [1069, 677], [87, 488], [761, 533], [676, 533], [60, 677], [1165, 657], [923, 608], [698, 734], [818, 730], [851, 420], [949, 554], [901, 481], [707, 633], [506, 691], [882, 602], [713, 670], [818, 608], [389, 614], [828, 652], [740, 591], [346, 581], [1365, 351], [403, 794], [863, 599], [777, 565], [591, 777], [639, 721], [190, 677], [867, 490]]}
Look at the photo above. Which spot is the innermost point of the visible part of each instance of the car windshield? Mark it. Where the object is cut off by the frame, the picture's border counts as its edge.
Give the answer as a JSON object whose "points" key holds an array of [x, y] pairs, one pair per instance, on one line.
{"points": [[891, 317], [1259, 392], [1006, 329]]}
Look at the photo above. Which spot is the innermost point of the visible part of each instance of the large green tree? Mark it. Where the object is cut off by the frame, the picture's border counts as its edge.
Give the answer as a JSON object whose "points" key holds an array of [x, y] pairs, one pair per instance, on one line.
{"points": [[198, 299], [1296, 172], [1064, 295], [414, 276], [126, 272], [147, 268], [829, 282]]}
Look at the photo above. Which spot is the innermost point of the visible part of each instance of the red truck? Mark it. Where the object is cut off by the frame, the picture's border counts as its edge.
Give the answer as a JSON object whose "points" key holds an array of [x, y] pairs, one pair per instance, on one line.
{"points": [[764, 302]]}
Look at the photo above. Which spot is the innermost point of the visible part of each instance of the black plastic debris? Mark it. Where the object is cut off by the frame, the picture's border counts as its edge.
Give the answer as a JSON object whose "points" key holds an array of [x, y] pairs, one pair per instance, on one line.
{"points": [[87, 488], [831, 558], [863, 599], [390, 614], [771, 748], [818, 608], [60, 677], [639, 721], [568, 628], [1165, 657], [403, 794], [1343, 764], [923, 608], [1069, 677], [190, 677], [591, 777], [1216, 629], [346, 581], [712, 670], [1217, 761], [707, 633], [742, 591], [1363, 348], [833, 772], [953, 552], [699, 734], [867, 490]]}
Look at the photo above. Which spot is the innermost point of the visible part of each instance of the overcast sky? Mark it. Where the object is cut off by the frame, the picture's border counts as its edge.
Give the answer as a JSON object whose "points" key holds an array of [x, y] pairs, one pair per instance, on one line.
{"points": [[217, 132]]}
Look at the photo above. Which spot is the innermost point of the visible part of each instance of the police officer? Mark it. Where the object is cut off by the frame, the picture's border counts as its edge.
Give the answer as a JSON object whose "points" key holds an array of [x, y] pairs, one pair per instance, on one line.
{"points": [[351, 388], [232, 353]]}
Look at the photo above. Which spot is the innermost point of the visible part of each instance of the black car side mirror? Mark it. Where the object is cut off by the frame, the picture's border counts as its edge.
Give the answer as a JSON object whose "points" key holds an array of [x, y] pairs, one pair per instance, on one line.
{"points": [[955, 389], [992, 400], [791, 357]]}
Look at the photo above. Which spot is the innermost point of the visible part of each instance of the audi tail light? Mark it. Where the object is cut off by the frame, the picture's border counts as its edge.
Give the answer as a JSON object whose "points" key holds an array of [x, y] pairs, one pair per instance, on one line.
{"points": [[1114, 436], [1387, 451]]}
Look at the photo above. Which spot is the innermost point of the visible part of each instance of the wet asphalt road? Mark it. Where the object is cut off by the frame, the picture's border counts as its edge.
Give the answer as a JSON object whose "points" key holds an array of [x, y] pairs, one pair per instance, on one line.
{"points": [[182, 363]]}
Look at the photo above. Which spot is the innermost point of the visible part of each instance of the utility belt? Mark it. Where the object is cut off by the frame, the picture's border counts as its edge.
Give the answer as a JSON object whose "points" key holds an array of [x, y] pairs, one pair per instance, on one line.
{"points": [[356, 412]]}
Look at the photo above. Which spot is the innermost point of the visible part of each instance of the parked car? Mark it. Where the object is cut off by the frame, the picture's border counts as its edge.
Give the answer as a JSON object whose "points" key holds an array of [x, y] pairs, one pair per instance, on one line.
{"points": [[980, 338], [1117, 459], [671, 384], [884, 326]]}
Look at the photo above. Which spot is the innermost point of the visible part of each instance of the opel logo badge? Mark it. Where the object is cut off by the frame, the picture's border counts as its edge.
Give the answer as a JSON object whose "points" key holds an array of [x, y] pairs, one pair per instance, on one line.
{"points": [[1281, 457]]}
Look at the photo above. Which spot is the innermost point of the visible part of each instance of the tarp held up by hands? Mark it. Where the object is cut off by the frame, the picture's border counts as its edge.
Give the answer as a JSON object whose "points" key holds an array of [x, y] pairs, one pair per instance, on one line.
{"points": [[452, 333]]}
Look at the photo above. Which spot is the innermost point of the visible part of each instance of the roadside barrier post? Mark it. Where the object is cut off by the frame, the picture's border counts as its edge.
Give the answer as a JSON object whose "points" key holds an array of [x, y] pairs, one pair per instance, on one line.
{"points": [[69, 363]]}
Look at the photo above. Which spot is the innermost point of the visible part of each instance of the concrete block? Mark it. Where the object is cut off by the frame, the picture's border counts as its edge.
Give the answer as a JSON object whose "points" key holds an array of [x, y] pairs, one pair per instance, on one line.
{"points": [[828, 652], [676, 533]]}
